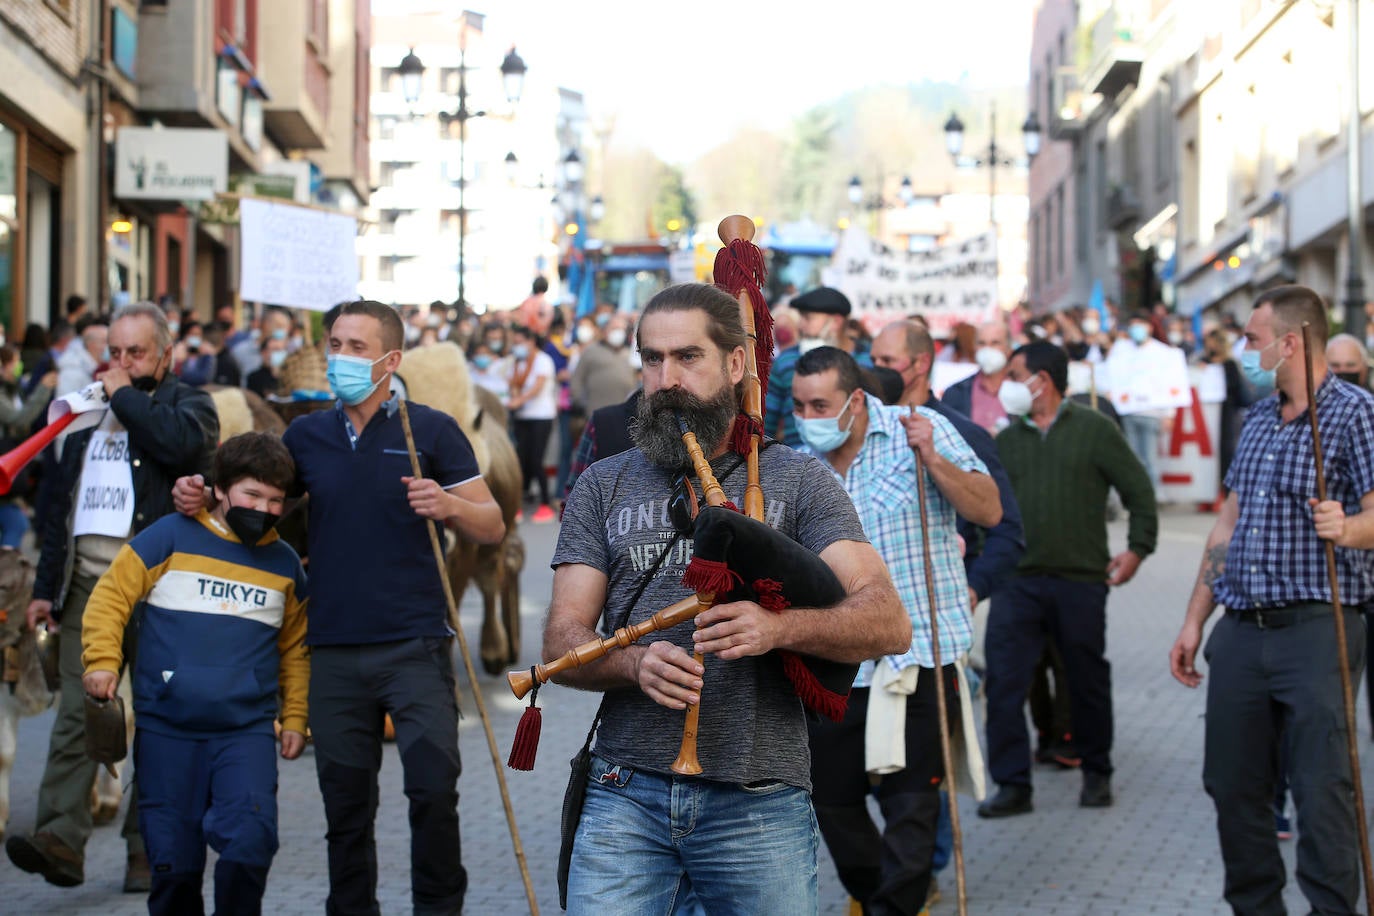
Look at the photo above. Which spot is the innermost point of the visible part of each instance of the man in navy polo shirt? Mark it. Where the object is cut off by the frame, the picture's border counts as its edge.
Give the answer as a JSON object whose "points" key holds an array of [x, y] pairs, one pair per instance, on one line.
{"points": [[377, 622]]}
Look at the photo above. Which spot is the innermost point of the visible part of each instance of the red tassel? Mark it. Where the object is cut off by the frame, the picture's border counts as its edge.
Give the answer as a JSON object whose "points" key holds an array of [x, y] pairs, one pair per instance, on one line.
{"points": [[810, 691], [712, 576], [526, 744], [740, 267], [741, 433]]}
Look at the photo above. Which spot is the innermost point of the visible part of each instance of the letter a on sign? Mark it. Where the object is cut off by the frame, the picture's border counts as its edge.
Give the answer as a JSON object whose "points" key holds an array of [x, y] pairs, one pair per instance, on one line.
{"points": [[1190, 427]]}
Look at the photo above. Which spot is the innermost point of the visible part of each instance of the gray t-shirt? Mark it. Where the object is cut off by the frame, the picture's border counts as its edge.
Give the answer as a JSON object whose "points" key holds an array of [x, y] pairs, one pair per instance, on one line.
{"points": [[752, 726]]}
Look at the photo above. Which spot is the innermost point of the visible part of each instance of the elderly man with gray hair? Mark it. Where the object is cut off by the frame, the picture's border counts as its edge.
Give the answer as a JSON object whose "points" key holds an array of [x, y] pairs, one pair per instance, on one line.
{"points": [[1348, 359], [114, 479]]}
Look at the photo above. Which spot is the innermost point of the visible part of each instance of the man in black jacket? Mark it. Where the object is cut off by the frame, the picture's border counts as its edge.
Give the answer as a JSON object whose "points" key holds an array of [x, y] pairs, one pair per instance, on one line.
{"points": [[115, 479]]}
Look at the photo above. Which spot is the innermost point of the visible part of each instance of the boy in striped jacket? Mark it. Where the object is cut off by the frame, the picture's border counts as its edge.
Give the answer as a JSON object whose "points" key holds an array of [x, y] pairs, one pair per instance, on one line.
{"points": [[220, 601]]}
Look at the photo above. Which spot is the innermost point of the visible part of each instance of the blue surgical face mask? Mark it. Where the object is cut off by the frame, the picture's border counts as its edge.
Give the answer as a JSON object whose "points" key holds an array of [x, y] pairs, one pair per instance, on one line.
{"points": [[1139, 333], [482, 361], [276, 358], [520, 351], [279, 334], [351, 377], [823, 434], [1250, 365]]}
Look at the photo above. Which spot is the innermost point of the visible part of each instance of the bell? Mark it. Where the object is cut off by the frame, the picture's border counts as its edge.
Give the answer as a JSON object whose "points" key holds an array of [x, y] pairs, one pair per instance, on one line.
{"points": [[49, 647], [107, 741]]}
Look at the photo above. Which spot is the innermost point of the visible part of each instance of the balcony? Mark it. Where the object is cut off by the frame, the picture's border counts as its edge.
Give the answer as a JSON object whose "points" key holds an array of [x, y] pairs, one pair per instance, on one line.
{"points": [[292, 62], [1117, 54], [1072, 106], [1122, 208]]}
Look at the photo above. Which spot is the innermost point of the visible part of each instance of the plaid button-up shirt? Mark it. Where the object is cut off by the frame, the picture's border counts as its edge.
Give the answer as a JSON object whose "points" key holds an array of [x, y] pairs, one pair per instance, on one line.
{"points": [[882, 484], [1275, 557]]}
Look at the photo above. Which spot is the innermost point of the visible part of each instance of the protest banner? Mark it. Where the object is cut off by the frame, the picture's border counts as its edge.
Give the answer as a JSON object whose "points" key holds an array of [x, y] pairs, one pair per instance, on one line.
{"points": [[947, 285], [301, 257]]}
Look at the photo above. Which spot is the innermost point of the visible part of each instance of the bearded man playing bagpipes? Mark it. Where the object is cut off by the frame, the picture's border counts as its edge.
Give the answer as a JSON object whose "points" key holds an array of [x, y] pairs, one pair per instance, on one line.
{"points": [[741, 836]]}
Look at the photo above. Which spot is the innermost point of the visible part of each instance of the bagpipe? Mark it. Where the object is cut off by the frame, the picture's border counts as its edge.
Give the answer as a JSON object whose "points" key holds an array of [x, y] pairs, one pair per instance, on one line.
{"points": [[736, 556], [87, 405]]}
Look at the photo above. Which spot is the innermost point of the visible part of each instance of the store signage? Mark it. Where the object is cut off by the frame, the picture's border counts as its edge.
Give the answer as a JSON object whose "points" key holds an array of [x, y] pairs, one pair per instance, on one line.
{"points": [[170, 163]]}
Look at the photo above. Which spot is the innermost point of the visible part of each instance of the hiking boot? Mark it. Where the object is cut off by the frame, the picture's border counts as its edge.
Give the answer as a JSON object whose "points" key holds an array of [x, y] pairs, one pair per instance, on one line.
{"points": [[1009, 800], [138, 877], [1097, 790], [46, 855]]}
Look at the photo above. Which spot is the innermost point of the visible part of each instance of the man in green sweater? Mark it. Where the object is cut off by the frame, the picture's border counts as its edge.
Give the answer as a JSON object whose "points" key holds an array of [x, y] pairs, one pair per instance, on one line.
{"points": [[1062, 459]]}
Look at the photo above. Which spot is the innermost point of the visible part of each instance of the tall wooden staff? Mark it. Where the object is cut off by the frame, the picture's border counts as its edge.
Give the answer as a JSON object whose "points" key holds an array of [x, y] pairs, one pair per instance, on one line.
{"points": [[1342, 651], [945, 749], [739, 271], [472, 673]]}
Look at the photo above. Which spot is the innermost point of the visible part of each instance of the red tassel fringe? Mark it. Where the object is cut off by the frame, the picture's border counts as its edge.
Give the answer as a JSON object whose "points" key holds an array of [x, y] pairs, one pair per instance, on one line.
{"points": [[812, 694], [526, 744], [712, 576], [742, 432], [739, 267]]}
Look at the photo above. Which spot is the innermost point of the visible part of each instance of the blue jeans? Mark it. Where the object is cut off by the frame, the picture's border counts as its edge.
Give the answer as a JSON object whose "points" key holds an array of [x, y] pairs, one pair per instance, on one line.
{"points": [[646, 841], [13, 524], [1142, 435]]}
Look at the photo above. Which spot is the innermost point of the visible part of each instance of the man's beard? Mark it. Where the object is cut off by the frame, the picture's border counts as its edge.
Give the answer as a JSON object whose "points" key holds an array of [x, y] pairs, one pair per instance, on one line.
{"points": [[655, 429]]}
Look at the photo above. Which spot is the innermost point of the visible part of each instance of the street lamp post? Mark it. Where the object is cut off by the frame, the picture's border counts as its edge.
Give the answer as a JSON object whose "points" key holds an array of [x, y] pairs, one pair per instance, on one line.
{"points": [[992, 158], [512, 78], [876, 202]]}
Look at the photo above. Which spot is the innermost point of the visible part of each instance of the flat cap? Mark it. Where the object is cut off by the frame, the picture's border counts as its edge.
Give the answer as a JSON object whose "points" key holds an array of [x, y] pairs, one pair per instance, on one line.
{"points": [[823, 299]]}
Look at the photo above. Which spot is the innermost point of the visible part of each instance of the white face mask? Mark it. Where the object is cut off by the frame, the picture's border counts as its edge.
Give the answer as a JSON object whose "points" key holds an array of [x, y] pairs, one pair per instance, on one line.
{"points": [[1016, 398], [585, 334], [1091, 327], [807, 344], [990, 360], [616, 337], [1080, 378]]}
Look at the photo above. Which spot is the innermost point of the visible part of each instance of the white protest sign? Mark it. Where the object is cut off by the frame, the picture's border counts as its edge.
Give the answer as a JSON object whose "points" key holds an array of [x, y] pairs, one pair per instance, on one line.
{"points": [[89, 404], [105, 495], [950, 284], [1152, 377], [297, 256], [1188, 462]]}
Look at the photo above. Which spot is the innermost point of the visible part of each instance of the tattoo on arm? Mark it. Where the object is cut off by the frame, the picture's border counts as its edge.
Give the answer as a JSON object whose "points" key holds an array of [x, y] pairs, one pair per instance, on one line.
{"points": [[1213, 564]]}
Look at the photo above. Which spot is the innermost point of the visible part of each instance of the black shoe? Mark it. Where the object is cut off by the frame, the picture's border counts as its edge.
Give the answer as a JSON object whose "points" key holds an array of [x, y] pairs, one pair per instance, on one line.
{"points": [[1009, 800], [46, 855], [1097, 790]]}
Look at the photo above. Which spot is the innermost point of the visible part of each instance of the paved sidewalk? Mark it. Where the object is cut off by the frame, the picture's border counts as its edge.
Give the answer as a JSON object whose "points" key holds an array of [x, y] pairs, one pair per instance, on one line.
{"points": [[1154, 852]]}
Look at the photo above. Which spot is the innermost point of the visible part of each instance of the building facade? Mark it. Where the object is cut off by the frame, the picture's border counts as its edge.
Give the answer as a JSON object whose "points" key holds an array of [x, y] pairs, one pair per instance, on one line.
{"points": [[82, 211]]}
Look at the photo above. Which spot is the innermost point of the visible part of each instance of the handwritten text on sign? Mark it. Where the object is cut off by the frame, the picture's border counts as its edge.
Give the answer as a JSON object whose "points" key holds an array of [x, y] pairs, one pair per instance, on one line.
{"points": [[950, 284], [296, 256], [105, 498]]}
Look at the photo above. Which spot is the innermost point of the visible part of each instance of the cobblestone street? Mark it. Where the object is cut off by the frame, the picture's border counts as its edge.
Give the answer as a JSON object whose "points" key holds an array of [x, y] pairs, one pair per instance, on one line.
{"points": [[1155, 851]]}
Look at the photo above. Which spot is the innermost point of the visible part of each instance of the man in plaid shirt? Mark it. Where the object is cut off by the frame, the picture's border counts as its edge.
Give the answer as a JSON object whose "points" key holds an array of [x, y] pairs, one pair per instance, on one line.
{"points": [[872, 450], [1273, 655]]}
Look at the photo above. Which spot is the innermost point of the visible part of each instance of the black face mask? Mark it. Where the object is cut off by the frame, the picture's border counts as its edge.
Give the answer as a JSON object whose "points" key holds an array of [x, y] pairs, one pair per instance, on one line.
{"points": [[146, 383], [250, 525], [1351, 377]]}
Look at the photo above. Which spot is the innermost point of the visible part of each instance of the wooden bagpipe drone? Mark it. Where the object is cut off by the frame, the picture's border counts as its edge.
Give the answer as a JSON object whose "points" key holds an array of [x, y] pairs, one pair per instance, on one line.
{"points": [[736, 556]]}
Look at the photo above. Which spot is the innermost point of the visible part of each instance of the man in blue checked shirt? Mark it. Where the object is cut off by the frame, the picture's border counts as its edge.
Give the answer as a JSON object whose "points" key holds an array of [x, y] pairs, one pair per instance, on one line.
{"points": [[891, 728], [1273, 655]]}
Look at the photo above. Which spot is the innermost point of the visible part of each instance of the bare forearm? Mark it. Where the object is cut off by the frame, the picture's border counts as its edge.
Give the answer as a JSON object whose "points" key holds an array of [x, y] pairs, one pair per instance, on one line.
{"points": [[480, 522], [973, 495], [1359, 531], [869, 623], [617, 668], [1203, 602]]}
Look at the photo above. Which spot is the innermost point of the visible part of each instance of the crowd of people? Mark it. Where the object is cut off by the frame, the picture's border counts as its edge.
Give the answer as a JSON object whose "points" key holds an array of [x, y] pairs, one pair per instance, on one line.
{"points": [[1025, 434]]}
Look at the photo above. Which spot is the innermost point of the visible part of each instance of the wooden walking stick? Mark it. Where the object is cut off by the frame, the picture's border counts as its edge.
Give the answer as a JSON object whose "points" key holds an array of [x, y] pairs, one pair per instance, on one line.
{"points": [[1341, 647], [1347, 693], [945, 749], [472, 673]]}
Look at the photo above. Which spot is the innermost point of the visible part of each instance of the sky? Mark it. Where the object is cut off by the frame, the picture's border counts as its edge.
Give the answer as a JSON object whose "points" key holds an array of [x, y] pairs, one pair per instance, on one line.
{"points": [[680, 78]]}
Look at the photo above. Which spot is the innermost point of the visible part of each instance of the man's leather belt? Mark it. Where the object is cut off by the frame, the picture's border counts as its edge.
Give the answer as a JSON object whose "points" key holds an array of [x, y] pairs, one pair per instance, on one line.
{"points": [[1275, 618]]}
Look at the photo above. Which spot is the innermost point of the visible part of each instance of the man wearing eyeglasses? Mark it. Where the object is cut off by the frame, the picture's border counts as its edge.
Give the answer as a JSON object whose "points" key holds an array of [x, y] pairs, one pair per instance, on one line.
{"points": [[115, 479], [742, 837]]}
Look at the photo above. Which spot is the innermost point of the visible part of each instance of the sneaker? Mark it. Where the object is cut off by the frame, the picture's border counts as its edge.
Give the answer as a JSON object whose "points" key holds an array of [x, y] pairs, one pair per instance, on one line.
{"points": [[1097, 790], [1283, 828], [543, 515], [46, 855], [1010, 800], [138, 876]]}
